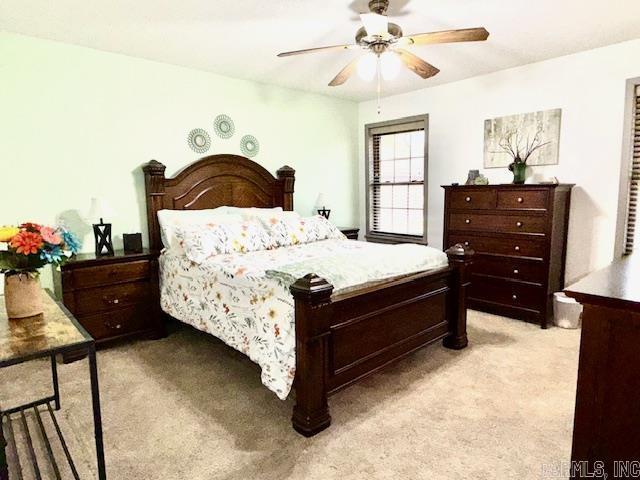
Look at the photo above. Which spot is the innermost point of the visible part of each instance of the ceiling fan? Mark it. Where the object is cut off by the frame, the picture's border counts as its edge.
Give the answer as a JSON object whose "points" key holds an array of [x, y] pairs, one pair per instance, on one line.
{"points": [[384, 42]]}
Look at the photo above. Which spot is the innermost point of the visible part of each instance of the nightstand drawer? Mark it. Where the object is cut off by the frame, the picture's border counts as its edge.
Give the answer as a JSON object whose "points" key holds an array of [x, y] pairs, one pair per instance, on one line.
{"points": [[111, 297], [497, 223], [117, 322], [88, 277]]}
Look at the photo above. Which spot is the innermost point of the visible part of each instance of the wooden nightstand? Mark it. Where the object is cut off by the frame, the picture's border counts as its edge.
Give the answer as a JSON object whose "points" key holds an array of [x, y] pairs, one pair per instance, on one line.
{"points": [[350, 232], [113, 297]]}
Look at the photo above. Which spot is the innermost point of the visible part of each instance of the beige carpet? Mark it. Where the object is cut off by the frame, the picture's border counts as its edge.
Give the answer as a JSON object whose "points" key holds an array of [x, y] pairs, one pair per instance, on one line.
{"points": [[188, 407]]}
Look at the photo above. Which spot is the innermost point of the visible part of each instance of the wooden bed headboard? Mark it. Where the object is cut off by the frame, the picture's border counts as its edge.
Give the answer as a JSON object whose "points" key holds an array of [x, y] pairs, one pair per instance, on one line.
{"points": [[212, 182]]}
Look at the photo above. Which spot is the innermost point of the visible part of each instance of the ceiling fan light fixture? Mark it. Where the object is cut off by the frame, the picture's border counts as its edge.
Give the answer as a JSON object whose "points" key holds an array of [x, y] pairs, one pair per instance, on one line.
{"points": [[375, 25], [390, 65], [368, 66]]}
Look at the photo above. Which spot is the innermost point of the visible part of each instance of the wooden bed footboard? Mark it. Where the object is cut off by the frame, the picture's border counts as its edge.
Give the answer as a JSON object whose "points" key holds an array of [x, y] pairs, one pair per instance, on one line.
{"points": [[342, 338]]}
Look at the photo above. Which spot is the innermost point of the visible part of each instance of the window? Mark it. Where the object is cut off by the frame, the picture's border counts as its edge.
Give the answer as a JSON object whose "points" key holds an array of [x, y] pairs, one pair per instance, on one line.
{"points": [[634, 178], [396, 156]]}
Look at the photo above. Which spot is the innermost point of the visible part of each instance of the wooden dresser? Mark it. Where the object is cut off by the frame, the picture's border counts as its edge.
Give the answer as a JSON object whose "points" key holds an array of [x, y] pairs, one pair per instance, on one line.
{"points": [[519, 233], [606, 431], [113, 296]]}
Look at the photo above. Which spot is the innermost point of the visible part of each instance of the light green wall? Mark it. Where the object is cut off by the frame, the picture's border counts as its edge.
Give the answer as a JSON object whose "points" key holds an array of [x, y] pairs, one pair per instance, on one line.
{"points": [[77, 123]]}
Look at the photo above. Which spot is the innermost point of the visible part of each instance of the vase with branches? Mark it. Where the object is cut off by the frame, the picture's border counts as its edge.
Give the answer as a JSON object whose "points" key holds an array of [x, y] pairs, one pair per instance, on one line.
{"points": [[520, 149]]}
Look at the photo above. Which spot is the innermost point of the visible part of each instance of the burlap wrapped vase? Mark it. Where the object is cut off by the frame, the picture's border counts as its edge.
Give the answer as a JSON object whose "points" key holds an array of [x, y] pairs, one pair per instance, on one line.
{"points": [[22, 295]]}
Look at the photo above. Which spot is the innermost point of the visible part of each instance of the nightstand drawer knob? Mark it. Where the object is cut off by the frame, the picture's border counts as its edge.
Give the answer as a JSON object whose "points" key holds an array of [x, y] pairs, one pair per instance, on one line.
{"points": [[466, 244], [520, 199], [517, 248], [516, 271], [468, 220], [515, 297], [468, 199], [518, 224], [116, 301]]}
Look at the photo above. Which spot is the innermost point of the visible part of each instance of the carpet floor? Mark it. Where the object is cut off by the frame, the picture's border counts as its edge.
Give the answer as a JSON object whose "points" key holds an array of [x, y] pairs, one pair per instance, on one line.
{"points": [[188, 407]]}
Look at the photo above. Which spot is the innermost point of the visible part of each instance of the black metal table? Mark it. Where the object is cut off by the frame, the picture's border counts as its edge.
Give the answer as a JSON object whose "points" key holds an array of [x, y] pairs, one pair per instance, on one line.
{"points": [[54, 332]]}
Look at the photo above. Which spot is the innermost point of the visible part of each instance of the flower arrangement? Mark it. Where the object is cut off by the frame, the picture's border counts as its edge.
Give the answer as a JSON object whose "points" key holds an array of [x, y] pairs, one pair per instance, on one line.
{"points": [[31, 246], [521, 150]]}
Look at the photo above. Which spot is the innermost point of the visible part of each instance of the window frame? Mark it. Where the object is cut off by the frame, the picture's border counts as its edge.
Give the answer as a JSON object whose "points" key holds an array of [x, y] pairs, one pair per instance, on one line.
{"points": [[620, 247], [368, 138]]}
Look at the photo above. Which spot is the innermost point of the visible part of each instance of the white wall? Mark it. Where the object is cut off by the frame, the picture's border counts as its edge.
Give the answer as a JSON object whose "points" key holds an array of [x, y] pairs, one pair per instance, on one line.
{"points": [[77, 123], [590, 89]]}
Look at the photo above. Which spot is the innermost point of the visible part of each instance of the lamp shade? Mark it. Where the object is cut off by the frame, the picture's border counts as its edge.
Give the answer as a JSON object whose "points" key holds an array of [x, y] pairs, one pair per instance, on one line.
{"points": [[322, 201], [99, 210]]}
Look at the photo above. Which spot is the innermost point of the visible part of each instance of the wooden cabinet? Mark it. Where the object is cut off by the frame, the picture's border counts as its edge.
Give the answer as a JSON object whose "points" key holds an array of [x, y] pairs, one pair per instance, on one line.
{"points": [[606, 432], [519, 233], [114, 296], [350, 232]]}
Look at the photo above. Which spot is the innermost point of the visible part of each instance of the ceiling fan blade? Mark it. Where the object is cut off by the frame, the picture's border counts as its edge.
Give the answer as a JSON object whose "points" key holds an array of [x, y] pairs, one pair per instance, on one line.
{"points": [[416, 64], [345, 73], [374, 24], [447, 36], [318, 49]]}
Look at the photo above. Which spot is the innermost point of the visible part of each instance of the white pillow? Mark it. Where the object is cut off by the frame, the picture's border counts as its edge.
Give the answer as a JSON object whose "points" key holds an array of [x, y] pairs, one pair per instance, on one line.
{"points": [[171, 219], [204, 241], [286, 231]]}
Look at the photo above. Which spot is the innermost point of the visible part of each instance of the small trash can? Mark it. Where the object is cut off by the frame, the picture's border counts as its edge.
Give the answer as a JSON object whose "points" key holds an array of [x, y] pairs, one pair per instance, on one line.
{"points": [[567, 312]]}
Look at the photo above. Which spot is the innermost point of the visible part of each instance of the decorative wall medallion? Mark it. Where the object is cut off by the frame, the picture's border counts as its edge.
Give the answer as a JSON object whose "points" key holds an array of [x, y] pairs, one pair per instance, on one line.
{"points": [[249, 146], [224, 126], [199, 140]]}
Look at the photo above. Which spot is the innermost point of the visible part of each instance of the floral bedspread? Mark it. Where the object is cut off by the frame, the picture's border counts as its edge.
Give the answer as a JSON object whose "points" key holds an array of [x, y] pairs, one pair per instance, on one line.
{"points": [[244, 299]]}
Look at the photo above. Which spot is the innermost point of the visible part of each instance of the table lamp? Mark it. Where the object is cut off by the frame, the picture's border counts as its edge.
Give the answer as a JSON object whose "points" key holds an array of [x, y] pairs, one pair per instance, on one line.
{"points": [[321, 203], [100, 209]]}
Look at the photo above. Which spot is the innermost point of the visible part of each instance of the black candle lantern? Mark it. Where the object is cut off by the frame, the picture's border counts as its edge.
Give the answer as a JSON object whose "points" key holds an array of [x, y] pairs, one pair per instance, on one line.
{"points": [[322, 209], [101, 231]]}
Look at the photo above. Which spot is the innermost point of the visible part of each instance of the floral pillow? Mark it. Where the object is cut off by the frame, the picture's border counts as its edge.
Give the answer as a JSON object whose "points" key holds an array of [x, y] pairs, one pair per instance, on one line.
{"points": [[204, 241], [288, 231]]}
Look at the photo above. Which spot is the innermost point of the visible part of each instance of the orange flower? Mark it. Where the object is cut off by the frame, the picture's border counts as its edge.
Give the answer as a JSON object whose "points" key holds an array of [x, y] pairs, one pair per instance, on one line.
{"points": [[26, 243]]}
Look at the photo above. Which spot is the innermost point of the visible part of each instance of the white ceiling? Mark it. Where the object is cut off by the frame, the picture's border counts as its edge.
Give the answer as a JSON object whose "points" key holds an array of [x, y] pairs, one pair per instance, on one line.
{"points": [[241, 38]]}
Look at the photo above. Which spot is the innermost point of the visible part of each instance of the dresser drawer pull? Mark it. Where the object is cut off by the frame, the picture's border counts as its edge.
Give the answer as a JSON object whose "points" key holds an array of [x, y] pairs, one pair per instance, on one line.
{"points": [[111, 301], [517, 248], [515, 297], [467, 220], [520, 199], [516, 271], [466, 244], [467, 199], [518, 224], [117, 326]]}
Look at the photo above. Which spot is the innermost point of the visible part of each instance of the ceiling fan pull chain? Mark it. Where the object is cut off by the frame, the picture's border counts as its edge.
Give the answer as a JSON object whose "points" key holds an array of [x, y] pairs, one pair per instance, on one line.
{"points": [[379, 84]]}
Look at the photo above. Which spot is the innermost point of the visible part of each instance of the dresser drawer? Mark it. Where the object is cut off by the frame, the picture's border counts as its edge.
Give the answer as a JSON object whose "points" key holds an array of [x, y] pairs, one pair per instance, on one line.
{"points": [[473, 198], [516, 269], [117, 322], [523, 199], [88, 277], [111, 297], [501, 246], [497, 223], [507, 293]]}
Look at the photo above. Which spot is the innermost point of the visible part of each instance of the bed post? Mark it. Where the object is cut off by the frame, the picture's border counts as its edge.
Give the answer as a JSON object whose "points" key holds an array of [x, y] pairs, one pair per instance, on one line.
{"points": [[311, 412], [287, 176], [154, 187], [460, 258]]}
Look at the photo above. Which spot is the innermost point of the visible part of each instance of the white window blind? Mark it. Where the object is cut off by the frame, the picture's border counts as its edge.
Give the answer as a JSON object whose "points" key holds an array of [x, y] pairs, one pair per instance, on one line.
{"points": [[396, 180], [634, 183]]}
